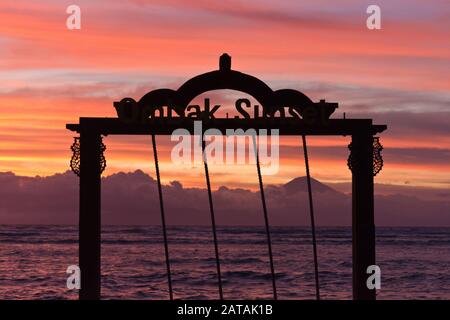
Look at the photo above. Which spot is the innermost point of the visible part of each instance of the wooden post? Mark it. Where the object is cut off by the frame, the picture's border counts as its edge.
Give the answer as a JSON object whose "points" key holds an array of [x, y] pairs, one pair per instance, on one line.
{"points": [[90, 215], [363, 226]]}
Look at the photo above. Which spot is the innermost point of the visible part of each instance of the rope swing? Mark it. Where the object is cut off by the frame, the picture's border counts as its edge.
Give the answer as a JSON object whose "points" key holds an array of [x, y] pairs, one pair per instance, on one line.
{"points": [[213, 221], [266, 218], [163, 217], [311, 213]]}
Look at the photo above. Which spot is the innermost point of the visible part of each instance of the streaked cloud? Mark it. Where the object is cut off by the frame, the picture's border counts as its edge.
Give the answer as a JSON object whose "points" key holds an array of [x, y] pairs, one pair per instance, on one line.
{"points": [[399, 76]]}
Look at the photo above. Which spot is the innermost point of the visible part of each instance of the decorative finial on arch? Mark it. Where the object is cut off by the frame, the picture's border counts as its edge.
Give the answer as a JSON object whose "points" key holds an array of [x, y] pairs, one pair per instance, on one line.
{"points": [[225, 62]]}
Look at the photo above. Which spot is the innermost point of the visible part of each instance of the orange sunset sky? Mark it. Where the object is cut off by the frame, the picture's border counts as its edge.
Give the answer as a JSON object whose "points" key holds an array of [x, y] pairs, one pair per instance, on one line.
{"points": [[399, 75]]}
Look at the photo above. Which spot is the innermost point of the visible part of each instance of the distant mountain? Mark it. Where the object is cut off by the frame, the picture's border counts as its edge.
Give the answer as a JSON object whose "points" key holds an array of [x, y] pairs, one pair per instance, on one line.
{"points": [[132, 199], [300, 185]]}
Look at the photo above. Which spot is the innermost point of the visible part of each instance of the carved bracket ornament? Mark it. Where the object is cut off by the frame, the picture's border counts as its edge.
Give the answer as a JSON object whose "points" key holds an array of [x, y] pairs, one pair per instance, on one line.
{"points": [[176, 102], [75, 160], [377, 158], [102, 156]]}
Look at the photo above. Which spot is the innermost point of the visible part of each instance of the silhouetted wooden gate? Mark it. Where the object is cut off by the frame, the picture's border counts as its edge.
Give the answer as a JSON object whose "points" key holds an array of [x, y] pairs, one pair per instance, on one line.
{"points": [[139, 118]]}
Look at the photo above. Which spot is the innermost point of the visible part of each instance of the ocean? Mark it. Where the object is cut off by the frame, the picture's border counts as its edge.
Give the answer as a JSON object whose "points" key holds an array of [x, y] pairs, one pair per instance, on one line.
{"points": [[414, 262]]}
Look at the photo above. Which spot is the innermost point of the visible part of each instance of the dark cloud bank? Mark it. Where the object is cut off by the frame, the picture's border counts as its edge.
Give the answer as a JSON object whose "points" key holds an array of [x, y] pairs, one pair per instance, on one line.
{"points": [[131, 198]]}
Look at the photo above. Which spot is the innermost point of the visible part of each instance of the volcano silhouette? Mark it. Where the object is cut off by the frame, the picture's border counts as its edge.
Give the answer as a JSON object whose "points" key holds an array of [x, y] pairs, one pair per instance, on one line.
{"points": [[299, 184]]}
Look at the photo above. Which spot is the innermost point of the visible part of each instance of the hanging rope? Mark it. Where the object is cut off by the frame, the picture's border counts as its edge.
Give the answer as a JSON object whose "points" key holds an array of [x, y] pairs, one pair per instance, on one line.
{"points": [[213, 221], [311, 213], [163, 217], [266, 218]]}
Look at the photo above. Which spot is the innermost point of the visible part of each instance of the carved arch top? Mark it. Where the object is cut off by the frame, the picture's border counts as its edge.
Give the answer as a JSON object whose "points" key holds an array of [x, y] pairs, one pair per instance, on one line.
{"points": [[224, 78]]}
